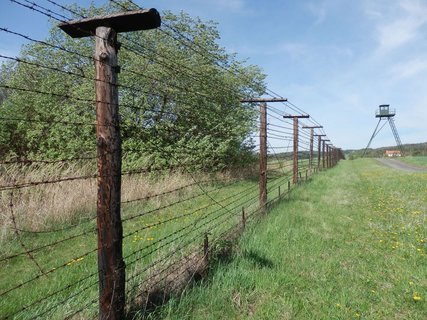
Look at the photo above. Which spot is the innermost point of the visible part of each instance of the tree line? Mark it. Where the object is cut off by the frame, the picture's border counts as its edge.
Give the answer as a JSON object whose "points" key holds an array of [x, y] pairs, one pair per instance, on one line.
{"points": [[179, 96]]}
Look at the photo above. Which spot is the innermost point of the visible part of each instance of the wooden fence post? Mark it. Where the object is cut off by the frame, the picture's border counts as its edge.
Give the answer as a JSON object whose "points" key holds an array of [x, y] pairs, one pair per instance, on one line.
{"points": [[295, 149], [263, 148], [324, 153], [206, 249], [243, 218], [111, 266], [263, 157], [310, 161], [295, 152]]}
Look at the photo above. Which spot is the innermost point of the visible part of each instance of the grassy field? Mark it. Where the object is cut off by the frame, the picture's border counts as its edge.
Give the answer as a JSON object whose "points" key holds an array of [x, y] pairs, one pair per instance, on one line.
{"points": [[59, 275], [418, 161], [351, 244]]}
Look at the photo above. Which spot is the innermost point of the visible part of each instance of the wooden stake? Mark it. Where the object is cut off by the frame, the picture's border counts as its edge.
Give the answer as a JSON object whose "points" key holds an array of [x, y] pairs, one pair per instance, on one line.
{"points": [[111, 266], [263, 158], [295, 151], [206, 249], [295, 160], [243, 218]]}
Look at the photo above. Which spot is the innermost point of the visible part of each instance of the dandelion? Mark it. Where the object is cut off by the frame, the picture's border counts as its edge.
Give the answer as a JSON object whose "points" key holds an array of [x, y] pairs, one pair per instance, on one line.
{"points": [[416, 296]]}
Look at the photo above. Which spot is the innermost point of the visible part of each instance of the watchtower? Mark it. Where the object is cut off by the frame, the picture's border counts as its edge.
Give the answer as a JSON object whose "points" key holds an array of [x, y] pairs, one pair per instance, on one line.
{"points": [[385, 113]]}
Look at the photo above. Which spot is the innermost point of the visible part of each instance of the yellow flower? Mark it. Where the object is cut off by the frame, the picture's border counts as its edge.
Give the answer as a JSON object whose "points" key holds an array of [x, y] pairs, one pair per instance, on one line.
{"points": [[416, 297]]}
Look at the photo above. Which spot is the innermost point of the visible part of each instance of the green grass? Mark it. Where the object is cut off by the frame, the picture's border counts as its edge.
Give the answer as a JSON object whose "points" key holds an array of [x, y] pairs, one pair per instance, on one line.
{"points": [[418, 161], [65, 264], [351, 244]]}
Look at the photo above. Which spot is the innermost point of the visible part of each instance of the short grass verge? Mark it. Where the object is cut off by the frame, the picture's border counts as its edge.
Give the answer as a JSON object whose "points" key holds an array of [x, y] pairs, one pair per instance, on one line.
{"points": [[349, 245], [420, 161]]}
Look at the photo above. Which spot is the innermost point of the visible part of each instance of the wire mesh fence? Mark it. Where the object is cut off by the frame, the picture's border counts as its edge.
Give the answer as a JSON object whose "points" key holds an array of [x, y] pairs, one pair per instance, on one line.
{"points": [[180, 203]]}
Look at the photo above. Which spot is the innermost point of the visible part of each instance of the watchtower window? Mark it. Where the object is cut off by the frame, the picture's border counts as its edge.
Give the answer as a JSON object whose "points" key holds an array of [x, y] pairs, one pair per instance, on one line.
{"points": [[384, 109]]}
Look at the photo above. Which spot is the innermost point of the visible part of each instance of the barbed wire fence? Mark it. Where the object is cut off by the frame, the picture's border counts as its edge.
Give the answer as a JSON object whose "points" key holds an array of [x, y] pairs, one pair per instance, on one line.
{"points": [[168, 234]]}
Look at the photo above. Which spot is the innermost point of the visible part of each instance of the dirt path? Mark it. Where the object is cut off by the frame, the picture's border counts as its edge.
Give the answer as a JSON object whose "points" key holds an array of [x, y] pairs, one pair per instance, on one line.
{"points": [[395, 164]]}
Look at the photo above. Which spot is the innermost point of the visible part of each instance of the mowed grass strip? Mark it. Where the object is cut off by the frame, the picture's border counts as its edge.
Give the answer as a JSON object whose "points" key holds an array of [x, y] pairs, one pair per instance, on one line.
{"points": [[420, 161], [351, 244]]}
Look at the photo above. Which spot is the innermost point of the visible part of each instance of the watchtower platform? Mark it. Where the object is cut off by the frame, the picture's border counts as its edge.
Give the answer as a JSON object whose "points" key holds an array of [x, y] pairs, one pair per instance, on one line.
{"points": [[384, 111]]}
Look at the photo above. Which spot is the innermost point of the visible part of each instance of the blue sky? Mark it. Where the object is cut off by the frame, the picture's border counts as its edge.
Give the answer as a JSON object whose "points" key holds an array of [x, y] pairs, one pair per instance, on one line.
{"points": [[336, 59]]}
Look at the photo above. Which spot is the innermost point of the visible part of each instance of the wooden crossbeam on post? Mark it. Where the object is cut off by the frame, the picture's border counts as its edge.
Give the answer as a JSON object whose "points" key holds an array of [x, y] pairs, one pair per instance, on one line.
{"points": [[259, 100], [263, 147], [111, 266], [295, 152]]}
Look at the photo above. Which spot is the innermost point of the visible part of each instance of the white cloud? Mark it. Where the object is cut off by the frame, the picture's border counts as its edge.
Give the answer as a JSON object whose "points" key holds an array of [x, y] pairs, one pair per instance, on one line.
{"points": [[397, 33], [408, 69], [397, 23]]}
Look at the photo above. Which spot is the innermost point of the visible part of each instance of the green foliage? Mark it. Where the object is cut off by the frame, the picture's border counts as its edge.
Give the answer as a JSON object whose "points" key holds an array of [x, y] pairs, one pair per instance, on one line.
{"points": [[178, 103]]}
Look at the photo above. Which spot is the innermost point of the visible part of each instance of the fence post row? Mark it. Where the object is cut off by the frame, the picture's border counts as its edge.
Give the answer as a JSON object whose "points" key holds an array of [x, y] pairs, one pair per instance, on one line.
{"points": [[324, 153], [263, 148], [310, 161], [295, 152], [111, 266], [319, 147]]}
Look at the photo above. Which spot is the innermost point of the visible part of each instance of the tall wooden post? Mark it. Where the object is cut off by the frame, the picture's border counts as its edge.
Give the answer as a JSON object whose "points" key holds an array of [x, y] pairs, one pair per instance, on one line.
{"points": [[111, 266], [295, 145], [310, 161], [263, 147], [328, 156], [295, 155], [319, 146], [323, 154], [263, 157]]}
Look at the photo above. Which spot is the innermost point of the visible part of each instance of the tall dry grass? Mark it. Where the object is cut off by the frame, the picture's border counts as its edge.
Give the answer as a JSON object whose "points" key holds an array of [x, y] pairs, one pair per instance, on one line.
{"points": [[46, 206]]}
